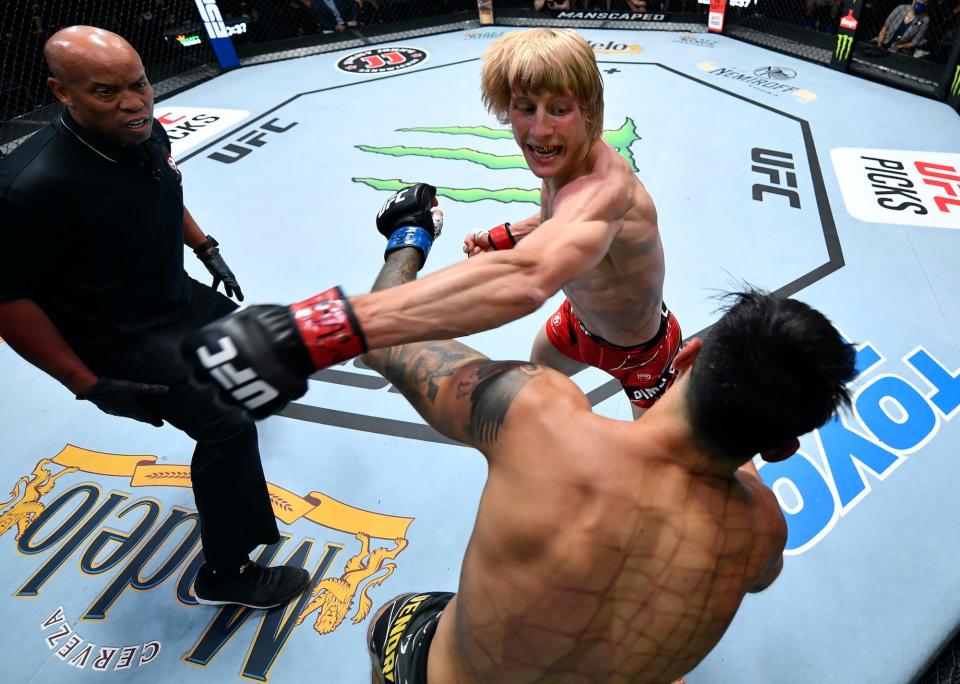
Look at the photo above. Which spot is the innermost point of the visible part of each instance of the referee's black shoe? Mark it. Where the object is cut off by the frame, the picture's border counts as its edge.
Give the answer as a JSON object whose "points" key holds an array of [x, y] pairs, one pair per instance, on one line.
{"points": [[251, 585]]}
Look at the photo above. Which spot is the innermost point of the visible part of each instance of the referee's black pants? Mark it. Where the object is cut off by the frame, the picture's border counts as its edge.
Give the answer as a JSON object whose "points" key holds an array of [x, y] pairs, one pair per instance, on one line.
{"points": [[227, 477]]}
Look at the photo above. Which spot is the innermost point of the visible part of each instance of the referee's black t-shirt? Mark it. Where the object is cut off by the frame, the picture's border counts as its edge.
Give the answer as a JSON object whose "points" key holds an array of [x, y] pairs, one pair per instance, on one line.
{"points": [[93, 232]]}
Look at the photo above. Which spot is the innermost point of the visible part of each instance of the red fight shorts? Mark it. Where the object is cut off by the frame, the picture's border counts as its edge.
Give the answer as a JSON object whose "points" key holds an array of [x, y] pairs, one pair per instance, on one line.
{"points": [[645, 371]]}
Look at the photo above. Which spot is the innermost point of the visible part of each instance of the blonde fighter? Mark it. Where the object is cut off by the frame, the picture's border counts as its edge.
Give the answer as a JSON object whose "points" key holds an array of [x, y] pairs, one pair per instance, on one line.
{"points": [[597, 215]]}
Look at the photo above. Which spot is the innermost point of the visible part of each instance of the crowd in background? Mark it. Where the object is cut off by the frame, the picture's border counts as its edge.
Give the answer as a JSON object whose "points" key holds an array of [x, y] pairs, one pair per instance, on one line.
{"points": [[630, 6], [160, 30], [169, 36], [935, 22]]}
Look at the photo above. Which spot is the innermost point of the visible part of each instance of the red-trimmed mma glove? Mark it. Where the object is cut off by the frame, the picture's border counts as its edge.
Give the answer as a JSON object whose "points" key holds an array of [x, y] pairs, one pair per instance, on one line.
{"points": [[262, 356], [407, 219], [497, 238]]}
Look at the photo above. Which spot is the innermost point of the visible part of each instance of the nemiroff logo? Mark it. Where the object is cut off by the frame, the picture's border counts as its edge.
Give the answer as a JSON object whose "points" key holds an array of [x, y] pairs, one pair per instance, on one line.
{"points": [[772, 80], [900, 186], [613, 48], [381, 60], [189, 126], [77, 530]]}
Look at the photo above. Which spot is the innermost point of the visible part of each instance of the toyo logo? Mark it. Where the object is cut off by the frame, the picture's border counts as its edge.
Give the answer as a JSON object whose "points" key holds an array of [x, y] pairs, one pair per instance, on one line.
{"points": [[844, 46], [620, 139]]}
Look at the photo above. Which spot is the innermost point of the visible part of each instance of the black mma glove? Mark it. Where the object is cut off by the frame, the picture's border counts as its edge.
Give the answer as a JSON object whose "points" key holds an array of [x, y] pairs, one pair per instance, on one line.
{"points": [[262, 356], [210, 256], [125, 398], [406, 219]]}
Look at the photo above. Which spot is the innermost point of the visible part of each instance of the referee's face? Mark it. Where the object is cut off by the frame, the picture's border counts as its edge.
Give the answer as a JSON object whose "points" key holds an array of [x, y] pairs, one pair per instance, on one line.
{"points": [[108, 93]]}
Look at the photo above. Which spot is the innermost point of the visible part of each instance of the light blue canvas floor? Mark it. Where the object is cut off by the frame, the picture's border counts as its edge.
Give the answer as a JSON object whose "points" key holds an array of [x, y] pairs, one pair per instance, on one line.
{"points": [[798, 179]]}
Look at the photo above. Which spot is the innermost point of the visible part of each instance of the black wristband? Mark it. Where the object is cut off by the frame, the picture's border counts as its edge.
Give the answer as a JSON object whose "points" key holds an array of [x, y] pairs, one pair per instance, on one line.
{"points": [[208, 244]]}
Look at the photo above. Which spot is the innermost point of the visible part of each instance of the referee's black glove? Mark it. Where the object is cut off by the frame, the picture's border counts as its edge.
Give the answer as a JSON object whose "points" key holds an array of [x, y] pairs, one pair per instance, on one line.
{"points": [[125, 398], [210, 256]]}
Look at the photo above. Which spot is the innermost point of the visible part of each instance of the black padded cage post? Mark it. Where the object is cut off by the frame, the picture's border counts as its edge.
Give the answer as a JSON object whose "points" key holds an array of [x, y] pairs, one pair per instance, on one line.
{"points": [[950, 83], [846, 34]]}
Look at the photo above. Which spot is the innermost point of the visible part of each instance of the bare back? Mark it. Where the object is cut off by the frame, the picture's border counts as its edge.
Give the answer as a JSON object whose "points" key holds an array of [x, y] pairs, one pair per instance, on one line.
{"points": [[620, 298], [598, 557]]}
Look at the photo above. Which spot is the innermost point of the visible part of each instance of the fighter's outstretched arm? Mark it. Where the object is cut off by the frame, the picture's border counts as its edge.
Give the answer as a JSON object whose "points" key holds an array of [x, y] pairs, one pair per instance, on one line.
{"points": [[456, 389], [495, 288], [262, 356]]}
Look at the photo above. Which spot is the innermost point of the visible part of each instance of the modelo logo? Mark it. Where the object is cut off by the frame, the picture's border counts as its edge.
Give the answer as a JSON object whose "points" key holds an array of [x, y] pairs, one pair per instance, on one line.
{"points": [[380, 60], [611, 47]]}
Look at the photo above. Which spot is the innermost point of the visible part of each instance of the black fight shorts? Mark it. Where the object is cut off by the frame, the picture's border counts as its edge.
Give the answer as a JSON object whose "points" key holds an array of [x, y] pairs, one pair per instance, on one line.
{"points": [[401, 638]]}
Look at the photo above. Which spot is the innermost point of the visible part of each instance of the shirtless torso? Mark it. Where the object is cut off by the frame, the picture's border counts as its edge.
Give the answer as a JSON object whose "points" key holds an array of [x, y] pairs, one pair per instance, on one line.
{"points": [[552, 589], [620, 298]]}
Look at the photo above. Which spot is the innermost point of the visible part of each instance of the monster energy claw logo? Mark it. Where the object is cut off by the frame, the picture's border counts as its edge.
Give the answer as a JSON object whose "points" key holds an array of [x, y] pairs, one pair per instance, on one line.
{"points": [[620, 139], [844, 45], [955, 86]]}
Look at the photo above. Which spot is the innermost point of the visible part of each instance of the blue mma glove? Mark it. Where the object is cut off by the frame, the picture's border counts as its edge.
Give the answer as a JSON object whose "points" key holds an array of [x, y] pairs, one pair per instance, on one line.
{"points": [[408, 219]]}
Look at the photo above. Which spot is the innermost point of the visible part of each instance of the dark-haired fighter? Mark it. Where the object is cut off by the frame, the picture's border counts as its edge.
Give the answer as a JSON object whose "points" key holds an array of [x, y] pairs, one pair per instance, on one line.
{"points": [[611, 551]]}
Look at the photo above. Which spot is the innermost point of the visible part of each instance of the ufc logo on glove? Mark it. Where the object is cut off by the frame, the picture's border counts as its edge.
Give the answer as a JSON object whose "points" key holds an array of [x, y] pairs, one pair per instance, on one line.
{"points": [[244, 385], [393, 199]]}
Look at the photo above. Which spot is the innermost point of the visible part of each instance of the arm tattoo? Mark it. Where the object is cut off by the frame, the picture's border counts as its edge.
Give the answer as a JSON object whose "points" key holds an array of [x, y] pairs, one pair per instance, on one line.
{"points": [[492, 387], [417, 369], [400, 267]]}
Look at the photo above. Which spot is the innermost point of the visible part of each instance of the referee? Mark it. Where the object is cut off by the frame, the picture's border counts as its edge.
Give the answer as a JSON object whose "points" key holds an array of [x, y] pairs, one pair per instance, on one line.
{"points": [[93, 292]]}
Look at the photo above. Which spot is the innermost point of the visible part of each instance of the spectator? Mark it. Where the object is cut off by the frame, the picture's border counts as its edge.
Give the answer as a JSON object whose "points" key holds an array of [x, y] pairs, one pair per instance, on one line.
{"points": [[551, 5], [905, 28], [822, 15], [335, 15], [368, 11]]}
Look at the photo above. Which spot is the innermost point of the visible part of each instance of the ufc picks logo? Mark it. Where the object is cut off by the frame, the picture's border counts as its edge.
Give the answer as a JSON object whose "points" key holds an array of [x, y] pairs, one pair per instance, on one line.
{"points": [[244, 385]]}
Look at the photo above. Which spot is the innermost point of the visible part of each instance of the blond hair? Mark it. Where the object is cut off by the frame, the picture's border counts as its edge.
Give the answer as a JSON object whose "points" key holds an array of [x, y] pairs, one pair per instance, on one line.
{"points": [[543, 60]]}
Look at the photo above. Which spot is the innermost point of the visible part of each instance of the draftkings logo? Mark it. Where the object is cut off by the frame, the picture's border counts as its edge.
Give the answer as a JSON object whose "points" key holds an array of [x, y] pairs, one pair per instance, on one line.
{"points": [[770, 80], [900, 186], [79, 526], [213, 20], [482, 35]]}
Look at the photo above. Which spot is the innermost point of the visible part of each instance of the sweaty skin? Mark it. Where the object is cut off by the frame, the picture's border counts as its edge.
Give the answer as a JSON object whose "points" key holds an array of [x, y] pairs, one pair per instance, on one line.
{"points": [[596, 238], [620, 298], [616, 559], [603, 550]]}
